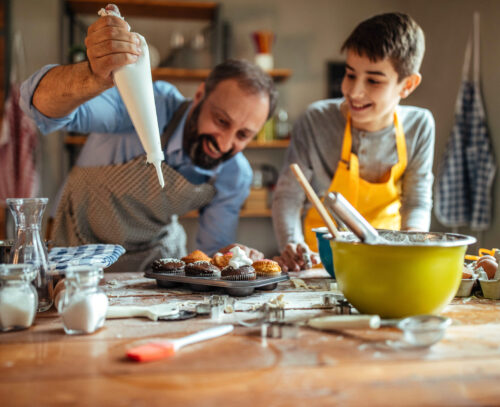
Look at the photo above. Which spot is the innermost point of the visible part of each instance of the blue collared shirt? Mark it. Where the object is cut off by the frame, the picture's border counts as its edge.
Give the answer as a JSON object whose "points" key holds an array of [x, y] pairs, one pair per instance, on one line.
{"points": [[113, 140]]}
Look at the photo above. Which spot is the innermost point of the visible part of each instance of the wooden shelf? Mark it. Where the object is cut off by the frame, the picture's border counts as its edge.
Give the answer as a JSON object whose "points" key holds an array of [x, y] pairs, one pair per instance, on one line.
{"points": [[198, 75], [263, 213], [269, 144], [80, 139], [179, 10]]}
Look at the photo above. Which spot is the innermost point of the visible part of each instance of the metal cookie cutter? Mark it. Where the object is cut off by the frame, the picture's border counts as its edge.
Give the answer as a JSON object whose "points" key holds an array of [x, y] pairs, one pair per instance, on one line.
{"points": [[215, 306], [274, 325], [343, 307], [281, 330]]}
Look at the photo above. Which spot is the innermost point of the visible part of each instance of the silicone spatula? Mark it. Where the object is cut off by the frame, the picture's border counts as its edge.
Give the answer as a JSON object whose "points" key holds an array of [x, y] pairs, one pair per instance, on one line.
{"points": [[160, 349]]}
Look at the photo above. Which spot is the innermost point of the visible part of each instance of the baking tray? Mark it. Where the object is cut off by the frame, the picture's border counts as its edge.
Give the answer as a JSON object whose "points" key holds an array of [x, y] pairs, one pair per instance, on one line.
{"points": [[234, 288]]}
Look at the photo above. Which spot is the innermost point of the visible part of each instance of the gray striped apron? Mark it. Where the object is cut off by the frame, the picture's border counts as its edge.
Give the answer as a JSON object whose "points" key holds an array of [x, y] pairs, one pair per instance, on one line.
{"points": [[124, 204]]}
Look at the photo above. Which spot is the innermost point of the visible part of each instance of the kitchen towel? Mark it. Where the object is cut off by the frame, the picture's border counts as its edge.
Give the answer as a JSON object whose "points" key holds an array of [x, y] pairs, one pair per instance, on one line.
{"points": [[464, 182], [18, 138], [103, 254]]}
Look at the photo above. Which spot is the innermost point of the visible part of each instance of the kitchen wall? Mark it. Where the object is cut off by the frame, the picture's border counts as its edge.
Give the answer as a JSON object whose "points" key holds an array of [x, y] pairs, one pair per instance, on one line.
{"points": [[309, 34]]}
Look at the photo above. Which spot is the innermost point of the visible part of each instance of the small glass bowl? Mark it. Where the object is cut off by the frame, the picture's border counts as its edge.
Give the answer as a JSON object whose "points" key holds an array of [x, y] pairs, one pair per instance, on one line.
{"points": [[424, 330]]}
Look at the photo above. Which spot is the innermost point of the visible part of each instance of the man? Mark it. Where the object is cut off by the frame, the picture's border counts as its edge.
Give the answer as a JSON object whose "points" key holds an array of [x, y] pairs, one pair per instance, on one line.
{"points": [[111, 196]]}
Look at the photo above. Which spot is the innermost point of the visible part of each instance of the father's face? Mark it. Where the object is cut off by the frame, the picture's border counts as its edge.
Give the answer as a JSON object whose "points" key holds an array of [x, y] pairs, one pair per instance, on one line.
{"points": [[223, 123]]}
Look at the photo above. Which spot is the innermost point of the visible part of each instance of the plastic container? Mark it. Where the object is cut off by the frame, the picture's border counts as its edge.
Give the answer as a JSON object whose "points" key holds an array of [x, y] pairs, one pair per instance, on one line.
{"points": [[325, 251], [83, 304], [18, 297]]}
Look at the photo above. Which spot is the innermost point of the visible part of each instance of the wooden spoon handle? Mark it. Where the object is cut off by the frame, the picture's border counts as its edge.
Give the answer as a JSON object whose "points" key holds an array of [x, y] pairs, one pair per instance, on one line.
{"points": [[313, 198]]}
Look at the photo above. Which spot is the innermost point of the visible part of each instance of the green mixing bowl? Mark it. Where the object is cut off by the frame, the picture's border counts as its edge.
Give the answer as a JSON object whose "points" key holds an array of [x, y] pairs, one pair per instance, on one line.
{"points": [[400, 279]]}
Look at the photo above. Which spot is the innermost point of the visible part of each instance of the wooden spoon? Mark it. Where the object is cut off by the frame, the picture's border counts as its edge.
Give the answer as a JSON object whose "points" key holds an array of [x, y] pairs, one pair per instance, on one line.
{"points": [[313, 198]]}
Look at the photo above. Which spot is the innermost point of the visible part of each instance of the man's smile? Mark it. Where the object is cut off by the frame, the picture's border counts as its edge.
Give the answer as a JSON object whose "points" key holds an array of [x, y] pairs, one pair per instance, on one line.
{"points": [[211, 148]]}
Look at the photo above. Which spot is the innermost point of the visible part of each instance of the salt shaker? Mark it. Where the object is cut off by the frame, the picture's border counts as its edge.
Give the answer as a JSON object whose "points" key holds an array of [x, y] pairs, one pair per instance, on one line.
{"points": [[18, 297], [83, 303]]}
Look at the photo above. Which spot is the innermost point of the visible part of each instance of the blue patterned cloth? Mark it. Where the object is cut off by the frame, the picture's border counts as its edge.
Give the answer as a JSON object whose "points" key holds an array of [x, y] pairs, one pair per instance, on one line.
{"points": [[103, 254], [463, 187]]}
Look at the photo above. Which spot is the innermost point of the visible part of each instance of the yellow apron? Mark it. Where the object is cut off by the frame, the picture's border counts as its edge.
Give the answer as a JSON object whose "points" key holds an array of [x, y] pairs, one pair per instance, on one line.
{"points": [[378, 202]]}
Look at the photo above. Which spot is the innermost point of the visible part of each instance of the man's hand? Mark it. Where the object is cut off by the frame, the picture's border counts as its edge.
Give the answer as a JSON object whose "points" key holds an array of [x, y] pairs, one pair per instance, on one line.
{"points": [[296, 257], [110, 45], [253, 254]]}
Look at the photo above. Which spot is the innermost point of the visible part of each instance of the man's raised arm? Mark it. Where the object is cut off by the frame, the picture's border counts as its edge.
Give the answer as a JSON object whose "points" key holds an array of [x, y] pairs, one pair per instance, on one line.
{"points": [[110, 45]]}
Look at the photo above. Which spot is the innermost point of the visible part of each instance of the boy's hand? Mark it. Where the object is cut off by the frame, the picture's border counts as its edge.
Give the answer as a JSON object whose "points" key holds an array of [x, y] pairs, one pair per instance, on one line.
{"points": [[110, 45], [296, 257]]}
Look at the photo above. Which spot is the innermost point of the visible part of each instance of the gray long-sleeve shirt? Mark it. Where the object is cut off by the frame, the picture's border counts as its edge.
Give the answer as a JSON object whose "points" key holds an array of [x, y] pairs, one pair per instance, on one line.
{"points": [[316, 146]]}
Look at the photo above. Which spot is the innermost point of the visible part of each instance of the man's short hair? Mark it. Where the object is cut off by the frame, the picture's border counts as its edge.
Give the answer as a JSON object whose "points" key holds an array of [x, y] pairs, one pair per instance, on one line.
{"points": [[249, 76], [392, 35]]}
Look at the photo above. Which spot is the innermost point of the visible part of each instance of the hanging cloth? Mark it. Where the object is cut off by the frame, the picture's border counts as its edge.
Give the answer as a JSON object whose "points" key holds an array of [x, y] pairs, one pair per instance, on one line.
{"points": [[463, 187], [378, 202], [18, 138]]}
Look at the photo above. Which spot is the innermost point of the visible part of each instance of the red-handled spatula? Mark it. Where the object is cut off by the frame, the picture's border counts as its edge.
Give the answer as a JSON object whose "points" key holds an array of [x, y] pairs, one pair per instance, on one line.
{"points": [[160, 349]]}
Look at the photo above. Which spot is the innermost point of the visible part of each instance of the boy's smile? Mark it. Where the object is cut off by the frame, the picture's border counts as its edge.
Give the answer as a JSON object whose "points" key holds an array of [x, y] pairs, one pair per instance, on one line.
{"points": [[372, 91]]}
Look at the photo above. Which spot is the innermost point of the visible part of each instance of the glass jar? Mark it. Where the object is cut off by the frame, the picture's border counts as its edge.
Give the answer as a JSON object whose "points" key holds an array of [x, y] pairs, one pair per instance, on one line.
{"points": [[28, 245], [18, 297], [83, 304]]}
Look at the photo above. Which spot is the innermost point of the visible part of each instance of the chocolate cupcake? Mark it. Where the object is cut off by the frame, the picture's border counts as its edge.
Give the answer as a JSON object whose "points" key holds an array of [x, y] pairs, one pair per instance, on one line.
{"points": [[168, 266], [201, 269], [240, 273]]}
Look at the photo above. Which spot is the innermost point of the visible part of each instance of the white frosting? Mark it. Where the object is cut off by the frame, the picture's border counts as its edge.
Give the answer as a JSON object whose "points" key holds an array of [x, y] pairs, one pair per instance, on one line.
{"points": [[17, 310], [239, 258]]}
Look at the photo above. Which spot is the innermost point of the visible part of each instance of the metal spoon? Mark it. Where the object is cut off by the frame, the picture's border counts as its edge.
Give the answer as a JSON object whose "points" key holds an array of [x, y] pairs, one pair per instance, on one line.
{"points": [[343, 210], [418, 331]]}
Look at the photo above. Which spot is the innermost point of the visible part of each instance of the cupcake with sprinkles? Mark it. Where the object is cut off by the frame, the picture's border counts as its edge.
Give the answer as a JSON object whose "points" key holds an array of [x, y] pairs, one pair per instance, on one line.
{"points": [[168, 266], [202, 268]]}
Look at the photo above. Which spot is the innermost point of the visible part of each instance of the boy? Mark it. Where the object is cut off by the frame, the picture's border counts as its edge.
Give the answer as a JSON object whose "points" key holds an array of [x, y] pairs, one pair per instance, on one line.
{"points": [[365, 146]]}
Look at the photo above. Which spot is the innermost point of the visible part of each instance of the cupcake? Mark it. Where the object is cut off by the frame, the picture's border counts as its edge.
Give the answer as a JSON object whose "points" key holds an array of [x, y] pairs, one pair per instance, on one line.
{"points": [[168, 266], [245, 272], [201, 269], [197, 255], [267, 268], [221, 260]]}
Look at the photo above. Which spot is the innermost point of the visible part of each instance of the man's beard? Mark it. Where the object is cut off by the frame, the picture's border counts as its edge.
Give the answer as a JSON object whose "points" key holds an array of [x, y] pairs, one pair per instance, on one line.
{"points": [[193, 143]]}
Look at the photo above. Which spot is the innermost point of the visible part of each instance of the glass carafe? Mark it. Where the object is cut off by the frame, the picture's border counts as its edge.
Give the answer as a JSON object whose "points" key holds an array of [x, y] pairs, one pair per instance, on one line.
{"points": [[28, 245]]}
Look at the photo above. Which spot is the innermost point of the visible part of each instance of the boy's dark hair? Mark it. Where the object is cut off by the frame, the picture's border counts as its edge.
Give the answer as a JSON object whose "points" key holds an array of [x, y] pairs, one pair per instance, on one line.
{"points": [[392, 35], [249, 76]]}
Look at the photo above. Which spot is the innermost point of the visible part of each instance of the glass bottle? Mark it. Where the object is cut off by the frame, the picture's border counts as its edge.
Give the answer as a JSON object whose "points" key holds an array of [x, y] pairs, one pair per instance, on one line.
{"points": [[18, 297], [83, 303], [28, 245]]}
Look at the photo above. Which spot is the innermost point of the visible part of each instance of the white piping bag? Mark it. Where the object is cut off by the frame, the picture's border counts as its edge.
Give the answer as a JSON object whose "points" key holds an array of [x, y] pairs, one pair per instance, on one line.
{"points": [[135, 84]]}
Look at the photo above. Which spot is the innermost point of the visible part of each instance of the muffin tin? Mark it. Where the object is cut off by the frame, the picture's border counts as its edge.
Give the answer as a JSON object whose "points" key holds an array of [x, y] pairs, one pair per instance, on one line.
{"points": [[231, 287]]}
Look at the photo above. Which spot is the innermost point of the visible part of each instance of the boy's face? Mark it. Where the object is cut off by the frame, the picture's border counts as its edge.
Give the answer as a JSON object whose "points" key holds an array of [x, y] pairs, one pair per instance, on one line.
{"points": [[372, 91]]}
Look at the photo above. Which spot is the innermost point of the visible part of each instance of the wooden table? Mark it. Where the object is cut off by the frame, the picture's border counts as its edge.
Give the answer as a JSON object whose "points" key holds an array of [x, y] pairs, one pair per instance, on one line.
{"points": [[43, 366]]}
